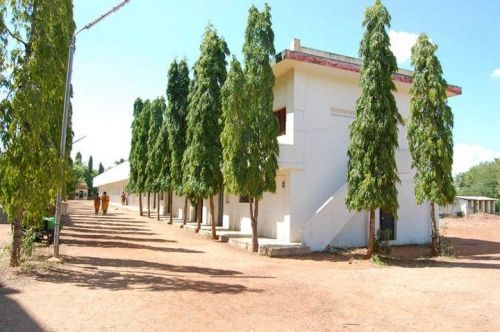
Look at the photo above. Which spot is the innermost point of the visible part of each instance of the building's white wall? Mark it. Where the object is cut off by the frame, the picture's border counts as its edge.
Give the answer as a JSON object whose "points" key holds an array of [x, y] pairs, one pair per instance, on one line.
{"points": [[326, 136], [274, 211], [354, 233]]}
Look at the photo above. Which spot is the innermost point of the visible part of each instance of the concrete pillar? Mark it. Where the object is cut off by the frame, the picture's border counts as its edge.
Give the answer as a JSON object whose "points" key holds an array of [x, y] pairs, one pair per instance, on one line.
{"points": [[481, 206]]}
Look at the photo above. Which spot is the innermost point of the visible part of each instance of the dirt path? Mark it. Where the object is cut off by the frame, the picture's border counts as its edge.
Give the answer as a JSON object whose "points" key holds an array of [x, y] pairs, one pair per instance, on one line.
{"points": [[127, 273]]}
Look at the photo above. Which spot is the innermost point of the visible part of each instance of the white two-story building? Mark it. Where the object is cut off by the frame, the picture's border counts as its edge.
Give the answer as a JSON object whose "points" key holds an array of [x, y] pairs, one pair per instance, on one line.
{"points": [[314, 99]]}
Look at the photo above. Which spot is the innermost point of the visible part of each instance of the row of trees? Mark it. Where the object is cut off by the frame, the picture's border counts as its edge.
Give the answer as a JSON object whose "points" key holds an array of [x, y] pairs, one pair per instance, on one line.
{"points": [[372, 173], [218, 131], [34, 39]]}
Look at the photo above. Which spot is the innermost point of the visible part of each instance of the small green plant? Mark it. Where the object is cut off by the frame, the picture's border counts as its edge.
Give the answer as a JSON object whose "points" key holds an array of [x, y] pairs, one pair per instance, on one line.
{"points": [[29, 237], [445, 248], [382, 245], [460, 214]]}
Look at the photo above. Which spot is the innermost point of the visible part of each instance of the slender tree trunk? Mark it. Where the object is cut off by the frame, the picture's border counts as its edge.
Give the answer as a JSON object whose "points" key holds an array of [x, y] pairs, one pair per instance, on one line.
{"points": [[199, 216], [171, 210], [212, 219], [141, 213], [149, 204], [435, 232], [185, 211], [154, 201], [254, 213], [371, 235], [158, 205], [165, 203], [17, 236]]}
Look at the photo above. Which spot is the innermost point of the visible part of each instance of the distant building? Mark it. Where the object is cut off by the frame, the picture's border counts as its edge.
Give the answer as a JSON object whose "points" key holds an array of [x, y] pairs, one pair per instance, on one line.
{"points": [[467, 205], [314, 101], [82, 191]]}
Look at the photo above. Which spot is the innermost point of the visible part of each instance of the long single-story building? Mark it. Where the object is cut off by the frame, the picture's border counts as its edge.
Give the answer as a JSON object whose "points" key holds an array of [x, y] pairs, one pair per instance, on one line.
{"points": [[467, 205], [314, 100]]}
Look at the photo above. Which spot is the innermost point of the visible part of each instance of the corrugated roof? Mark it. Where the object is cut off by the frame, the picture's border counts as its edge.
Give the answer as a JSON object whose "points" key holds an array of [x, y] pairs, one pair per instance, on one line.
{"points": [[118, 173], [477, 198]]}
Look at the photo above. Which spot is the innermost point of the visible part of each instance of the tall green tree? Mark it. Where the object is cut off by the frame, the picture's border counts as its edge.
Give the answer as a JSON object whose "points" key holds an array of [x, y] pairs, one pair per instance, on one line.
{"points": [[135, 164], [158, 154], [234, 136], [263, 148], [141, 156], [89, 176], [177, 95], [78, 158], [202, 159], [34, 39], [372, 173], [100, 169], [90, 165], [430, 133]]}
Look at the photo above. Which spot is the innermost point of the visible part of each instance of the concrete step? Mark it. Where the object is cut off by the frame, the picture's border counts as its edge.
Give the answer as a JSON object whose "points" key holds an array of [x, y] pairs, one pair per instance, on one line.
{"points": [[270, 247], [283, 250]]}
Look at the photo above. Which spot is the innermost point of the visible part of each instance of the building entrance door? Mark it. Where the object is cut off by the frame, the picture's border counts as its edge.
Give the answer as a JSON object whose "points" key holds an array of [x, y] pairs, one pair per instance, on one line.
{"points": [[387, 223]]}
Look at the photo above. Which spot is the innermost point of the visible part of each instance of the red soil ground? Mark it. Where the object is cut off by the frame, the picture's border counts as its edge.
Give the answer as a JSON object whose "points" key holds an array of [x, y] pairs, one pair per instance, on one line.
{"points": [[122, 272]]}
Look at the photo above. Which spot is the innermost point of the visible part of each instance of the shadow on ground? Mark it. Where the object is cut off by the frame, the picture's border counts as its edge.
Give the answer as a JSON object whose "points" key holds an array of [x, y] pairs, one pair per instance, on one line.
{"points": [[126, 245], [12, 316], [112, 280]]}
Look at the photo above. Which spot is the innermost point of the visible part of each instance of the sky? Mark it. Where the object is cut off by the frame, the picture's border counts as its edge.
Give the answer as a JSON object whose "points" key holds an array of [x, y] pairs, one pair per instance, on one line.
{"points": [[127, 55]]}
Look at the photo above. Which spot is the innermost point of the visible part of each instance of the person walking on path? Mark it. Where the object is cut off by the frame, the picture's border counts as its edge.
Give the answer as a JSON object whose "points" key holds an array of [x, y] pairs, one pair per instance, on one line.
{"points": [[97, 203], [123, 197], [105, 203]]}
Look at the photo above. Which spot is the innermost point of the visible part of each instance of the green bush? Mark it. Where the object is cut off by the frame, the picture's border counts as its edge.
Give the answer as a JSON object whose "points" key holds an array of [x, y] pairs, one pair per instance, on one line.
{"points": [[382, 245]]}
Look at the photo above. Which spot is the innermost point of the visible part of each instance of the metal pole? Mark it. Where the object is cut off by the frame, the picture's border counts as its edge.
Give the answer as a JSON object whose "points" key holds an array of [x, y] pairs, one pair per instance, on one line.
{"points": [[62, 146]]}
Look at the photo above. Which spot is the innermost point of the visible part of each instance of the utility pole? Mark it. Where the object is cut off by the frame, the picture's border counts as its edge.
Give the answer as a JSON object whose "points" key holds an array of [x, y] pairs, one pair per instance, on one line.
{"points": [[62, 146]]}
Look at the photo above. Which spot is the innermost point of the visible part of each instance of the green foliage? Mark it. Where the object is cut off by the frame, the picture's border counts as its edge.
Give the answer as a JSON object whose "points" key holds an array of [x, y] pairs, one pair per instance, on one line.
{"points": [[101, 169], [36, 36], [177, 95], [141, 154], [430, 127], [202, 158], [78, 158], [134, 146], [234, 136], [382, 244], [29, 237], [372, 173], [262, 147], [90, 165], [481, 180], [157, 147]]}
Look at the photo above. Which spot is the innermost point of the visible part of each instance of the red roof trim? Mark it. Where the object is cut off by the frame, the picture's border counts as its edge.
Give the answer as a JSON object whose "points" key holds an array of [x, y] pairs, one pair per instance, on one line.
{"points": [[322, 61]]}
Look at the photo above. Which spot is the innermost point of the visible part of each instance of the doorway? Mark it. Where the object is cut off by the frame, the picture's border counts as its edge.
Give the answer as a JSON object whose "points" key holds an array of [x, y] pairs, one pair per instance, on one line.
{"points": [[387, 224]]}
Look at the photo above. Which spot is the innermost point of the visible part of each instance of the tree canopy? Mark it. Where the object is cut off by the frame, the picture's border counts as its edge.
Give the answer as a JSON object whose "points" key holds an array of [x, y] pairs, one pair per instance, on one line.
{"points": [[202, 160], [430, 127], [372, 173], [134, 146], [177, 96], [235, 135], [263, 148], [157, 148]]}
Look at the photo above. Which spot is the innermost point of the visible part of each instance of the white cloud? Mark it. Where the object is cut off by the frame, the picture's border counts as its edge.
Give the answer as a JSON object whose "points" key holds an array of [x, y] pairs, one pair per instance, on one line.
{"points": [[401, 44], [468, 155], [496, 73]]}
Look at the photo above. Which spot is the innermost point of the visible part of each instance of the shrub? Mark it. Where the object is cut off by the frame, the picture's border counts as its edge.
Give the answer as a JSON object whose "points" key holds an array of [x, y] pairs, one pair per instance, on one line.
{"points": [[382, 245]]}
